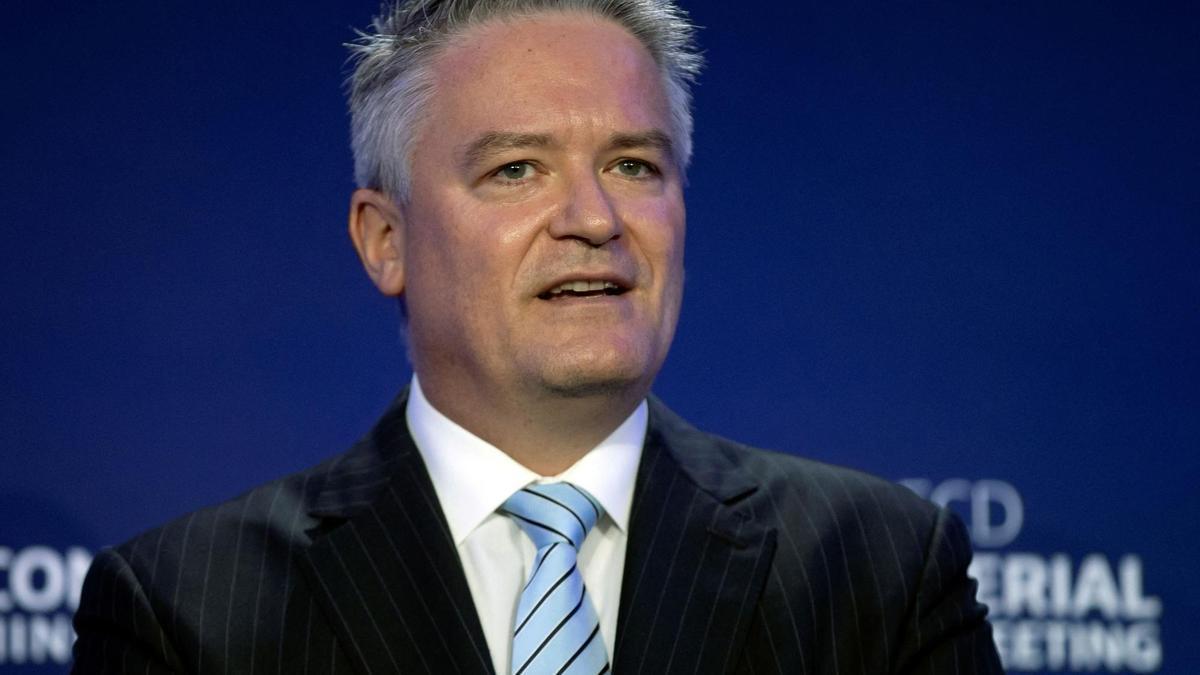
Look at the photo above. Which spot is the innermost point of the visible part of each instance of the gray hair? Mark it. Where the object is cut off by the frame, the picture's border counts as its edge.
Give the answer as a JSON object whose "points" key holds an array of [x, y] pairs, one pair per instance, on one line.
{"points": [[392, 82]]}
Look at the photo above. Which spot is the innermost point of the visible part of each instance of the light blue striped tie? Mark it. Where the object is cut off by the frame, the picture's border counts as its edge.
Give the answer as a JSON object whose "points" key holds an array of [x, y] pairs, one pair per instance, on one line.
{"points": [[556, 629]]}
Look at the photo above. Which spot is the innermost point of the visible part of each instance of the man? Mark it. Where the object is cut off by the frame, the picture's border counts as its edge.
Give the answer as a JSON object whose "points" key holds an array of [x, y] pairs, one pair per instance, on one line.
{"points": [[523, 507]]}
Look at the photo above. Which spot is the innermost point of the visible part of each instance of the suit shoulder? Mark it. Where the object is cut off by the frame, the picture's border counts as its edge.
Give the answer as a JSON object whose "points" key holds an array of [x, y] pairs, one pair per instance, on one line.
{"points": [[273, 512], [832, 496], [847, 538], [285, 507], [232, 564], [790, 484]]}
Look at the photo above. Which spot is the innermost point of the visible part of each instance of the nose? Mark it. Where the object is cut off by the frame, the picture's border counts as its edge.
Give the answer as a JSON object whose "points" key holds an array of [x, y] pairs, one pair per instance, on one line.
{"points": [[589, 214]]}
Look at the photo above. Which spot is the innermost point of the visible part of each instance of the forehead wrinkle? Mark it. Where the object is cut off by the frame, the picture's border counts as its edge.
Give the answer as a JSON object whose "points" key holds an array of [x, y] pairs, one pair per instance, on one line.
{"points": [[492, 143]]}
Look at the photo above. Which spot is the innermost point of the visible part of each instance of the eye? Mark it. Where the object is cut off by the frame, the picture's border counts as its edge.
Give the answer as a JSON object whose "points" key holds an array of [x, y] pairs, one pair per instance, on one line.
{"points": [[635, 168], [516, 171]]}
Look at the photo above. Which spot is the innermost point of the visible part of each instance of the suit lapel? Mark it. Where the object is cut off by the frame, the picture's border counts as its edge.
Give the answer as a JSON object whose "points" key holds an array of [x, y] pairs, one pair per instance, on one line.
{"points": [[696, 559], [385, 573], [384, 568]]}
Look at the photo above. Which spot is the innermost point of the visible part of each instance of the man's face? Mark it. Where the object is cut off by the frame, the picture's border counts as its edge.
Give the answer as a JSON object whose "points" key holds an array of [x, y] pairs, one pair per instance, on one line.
{"points": [[544, 236]]}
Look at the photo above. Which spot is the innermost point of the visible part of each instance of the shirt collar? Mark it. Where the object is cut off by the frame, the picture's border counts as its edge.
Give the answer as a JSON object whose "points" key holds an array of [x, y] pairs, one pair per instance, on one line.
{"points": [[473, 478]]}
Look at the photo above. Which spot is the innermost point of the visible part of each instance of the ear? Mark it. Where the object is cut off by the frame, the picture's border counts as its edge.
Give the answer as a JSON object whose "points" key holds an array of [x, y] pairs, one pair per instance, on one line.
{"points": [[377, 230]]}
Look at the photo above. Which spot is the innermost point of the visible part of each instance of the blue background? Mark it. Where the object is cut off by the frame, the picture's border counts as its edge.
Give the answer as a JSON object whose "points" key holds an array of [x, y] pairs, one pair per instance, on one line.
{"points": [[927, 240]]}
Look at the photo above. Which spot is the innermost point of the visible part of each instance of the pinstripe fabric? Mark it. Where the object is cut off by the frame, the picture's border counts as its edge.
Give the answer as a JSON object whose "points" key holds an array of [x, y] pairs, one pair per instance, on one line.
{"points": [[746, 561], [738, 560]]}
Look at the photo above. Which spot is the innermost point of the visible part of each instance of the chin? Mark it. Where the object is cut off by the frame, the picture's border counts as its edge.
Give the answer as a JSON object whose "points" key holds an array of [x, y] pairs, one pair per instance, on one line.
{"points": [[596, 376], [586, 385]]}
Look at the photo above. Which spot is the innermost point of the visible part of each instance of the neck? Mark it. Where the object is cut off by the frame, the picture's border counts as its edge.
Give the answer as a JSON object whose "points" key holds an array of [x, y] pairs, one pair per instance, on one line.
{"points": [[546, 434]]}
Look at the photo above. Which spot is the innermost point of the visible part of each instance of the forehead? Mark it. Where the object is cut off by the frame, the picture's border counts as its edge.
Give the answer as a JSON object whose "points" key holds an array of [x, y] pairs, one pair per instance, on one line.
{"points": [[549, 70]]}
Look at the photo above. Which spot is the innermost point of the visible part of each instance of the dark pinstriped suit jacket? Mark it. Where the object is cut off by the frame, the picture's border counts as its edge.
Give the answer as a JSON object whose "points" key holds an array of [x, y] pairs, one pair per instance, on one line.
{"points": [[738, 560]]}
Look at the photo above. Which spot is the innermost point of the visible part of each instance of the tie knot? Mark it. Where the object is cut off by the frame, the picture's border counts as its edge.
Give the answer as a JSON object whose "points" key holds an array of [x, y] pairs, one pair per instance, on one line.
{"points": [[554, 512]]}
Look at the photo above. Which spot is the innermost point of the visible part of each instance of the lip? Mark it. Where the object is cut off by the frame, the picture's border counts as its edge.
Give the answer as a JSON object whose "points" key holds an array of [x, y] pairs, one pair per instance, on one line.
{"points": [[624, 282]]}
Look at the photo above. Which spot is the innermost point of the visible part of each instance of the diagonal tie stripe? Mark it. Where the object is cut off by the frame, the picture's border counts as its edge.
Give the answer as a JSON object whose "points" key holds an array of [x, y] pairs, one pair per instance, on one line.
{"points": [[541, 558], [553, 632], [556, 629], [539, 524], [566, 575], [561, 511], [591, 636], [595, 505], [582, 526]]}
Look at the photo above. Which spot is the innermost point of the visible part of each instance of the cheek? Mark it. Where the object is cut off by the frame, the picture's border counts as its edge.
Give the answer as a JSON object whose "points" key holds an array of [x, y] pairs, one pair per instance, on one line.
{"points": [[473, 250], [449, 236], [660, 229], [441, 261], [512, 227], [664, 246]]}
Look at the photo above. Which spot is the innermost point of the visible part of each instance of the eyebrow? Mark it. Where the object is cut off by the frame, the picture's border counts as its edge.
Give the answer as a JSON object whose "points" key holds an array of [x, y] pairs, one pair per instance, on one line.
{"points": [[653, 138], [495, 142]]}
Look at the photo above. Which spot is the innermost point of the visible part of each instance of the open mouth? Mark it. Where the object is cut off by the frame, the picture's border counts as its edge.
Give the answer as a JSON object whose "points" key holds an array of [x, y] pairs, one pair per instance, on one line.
{"points": [[583, 289]]}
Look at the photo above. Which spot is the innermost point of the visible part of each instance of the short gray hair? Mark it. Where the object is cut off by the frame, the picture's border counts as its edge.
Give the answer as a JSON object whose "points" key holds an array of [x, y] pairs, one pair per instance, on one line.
{"points": [[392, 82]]}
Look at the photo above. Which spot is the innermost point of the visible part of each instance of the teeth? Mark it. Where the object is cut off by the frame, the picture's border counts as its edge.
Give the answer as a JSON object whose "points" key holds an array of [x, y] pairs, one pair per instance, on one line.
{"points": [[582, 287]]}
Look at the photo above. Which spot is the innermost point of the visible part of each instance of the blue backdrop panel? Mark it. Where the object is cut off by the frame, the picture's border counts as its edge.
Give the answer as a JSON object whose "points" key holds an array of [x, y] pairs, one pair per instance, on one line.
{"points": [[953, 244]]}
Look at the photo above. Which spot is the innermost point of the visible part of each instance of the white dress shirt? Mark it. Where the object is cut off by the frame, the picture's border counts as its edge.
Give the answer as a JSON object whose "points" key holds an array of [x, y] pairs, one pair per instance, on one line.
{"points": [[473, 478]]}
